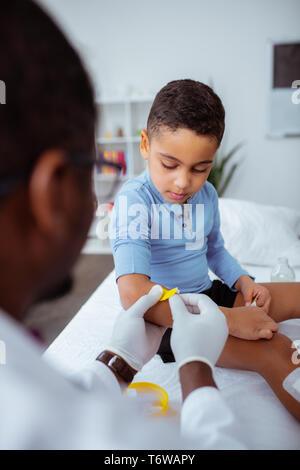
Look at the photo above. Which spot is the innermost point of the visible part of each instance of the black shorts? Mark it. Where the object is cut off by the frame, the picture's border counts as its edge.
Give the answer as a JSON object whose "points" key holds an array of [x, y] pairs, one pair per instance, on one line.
{"points": [[219, 293]]}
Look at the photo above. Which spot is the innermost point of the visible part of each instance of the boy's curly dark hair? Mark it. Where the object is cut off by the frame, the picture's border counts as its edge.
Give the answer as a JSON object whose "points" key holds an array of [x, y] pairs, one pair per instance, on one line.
{"points": [[187, 104], [49, 97]]}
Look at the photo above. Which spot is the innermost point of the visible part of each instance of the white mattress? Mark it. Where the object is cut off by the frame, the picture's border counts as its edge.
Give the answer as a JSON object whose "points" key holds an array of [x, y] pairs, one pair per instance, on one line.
{"points": [[266, 423]]}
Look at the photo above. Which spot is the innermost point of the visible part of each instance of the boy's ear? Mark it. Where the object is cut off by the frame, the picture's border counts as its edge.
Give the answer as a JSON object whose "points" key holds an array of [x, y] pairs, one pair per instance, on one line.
{"points": [[144, 145]]}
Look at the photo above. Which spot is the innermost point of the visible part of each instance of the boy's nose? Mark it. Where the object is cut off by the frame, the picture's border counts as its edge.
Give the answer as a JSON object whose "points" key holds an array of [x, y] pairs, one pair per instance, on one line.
{"points": [[182, 182]]}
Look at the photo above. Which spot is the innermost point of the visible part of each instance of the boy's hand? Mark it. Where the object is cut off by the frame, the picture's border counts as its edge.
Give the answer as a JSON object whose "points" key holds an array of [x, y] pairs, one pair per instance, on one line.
{"points": [[250, 290], [249, 323]]}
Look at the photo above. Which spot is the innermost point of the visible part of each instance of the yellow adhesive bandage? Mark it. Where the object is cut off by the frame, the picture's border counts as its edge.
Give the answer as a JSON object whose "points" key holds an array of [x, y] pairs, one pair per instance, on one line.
{"points": [[168, 293]]}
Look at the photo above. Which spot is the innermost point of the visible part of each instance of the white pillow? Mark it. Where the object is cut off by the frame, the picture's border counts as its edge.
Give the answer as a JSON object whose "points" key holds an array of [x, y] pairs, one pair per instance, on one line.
{"points": [[260, 234]]}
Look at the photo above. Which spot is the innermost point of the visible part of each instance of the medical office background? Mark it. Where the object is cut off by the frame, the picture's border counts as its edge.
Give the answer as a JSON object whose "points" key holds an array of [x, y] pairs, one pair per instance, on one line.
{"points": [[137, 46]]}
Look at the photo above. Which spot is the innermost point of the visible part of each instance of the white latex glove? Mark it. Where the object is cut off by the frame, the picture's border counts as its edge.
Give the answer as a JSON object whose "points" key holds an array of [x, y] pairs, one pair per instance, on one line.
{"points": [[133, 338], [197, 337]]}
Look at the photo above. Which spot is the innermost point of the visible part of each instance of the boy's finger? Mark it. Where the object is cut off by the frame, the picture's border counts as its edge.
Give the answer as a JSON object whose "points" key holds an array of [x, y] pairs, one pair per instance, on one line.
{"points": [[264, 303], [260, 299], [248, 296], [274, 326], [265, 333]]}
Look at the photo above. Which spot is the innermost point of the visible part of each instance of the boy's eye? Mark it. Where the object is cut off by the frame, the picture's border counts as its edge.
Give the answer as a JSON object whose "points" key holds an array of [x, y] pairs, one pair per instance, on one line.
{"points": [[173, 168], [168, 167], [200, 171]]}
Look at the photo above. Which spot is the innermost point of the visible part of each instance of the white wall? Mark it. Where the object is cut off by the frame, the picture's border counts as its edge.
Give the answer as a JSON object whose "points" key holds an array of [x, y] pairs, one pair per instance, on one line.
{"points": [[146, 43]]}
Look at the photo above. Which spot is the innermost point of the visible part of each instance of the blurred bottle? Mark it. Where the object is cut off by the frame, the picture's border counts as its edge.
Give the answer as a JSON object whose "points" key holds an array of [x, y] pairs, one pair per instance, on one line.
{"points": [[282, 272]]}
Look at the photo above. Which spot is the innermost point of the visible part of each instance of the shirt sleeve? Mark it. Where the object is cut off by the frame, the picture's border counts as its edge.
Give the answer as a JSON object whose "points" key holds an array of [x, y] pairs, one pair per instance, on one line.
{"points": [[96, 377], [219, 259], [207, 420], [130, 234]]}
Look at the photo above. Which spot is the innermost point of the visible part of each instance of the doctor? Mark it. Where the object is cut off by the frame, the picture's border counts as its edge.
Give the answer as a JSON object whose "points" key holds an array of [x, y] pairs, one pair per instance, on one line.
{"points": [[46, 207]]}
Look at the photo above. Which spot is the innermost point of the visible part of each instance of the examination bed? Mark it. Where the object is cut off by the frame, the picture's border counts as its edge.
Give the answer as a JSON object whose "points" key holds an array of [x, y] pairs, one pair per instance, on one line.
{"points": [[266, 424]]}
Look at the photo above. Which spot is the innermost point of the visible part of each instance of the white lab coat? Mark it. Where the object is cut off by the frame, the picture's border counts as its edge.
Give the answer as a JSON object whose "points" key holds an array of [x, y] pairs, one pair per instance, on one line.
{"points": [[41, 409]]}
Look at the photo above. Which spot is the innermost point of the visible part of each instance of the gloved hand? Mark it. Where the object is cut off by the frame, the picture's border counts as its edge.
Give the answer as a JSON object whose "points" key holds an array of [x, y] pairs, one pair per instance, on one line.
{"points": [[133, 338], [197, 337]]}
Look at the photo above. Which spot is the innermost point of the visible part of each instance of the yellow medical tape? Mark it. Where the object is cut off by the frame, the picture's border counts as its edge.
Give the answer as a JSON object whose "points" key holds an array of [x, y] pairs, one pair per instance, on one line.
{"points": [[168, 293], [159, 393]]}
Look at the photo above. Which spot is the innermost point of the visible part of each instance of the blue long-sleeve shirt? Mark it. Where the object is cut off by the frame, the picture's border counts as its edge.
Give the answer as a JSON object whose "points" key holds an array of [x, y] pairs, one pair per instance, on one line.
{"points": [[148, 237]]}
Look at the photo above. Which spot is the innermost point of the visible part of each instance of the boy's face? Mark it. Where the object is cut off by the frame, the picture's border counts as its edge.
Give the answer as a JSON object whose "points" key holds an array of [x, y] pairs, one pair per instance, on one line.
{"points": [[179, 162]]}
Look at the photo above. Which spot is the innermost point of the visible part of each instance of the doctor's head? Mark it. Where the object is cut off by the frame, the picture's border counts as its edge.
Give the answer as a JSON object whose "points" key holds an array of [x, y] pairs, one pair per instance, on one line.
{"points": [[184, 130], [47, 149]]}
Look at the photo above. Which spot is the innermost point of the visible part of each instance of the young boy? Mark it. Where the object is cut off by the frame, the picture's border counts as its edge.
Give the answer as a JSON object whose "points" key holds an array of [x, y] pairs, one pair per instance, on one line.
{"points": [[184, 130]]}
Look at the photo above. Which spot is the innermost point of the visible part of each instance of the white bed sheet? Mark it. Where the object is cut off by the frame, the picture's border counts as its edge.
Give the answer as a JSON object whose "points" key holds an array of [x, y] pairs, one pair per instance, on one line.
{"points": [[266, 423]]}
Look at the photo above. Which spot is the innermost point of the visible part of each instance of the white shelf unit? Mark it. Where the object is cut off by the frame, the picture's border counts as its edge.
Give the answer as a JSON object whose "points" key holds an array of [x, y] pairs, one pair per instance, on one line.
{"points": [[130, 114]]}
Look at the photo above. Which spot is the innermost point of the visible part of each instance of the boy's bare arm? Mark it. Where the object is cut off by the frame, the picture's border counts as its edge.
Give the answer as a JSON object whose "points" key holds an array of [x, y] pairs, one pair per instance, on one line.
{"points": [[250, 323], [132, 287]]}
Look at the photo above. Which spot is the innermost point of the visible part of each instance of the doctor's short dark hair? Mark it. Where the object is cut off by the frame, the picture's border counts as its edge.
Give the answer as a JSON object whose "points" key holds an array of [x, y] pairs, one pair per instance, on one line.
{"points": [[187, 104], [49, 96]]}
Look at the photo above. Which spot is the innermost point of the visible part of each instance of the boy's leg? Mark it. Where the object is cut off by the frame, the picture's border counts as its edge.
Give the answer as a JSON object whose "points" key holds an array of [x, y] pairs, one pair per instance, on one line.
{"points": [[285, 303], [271, 358]]}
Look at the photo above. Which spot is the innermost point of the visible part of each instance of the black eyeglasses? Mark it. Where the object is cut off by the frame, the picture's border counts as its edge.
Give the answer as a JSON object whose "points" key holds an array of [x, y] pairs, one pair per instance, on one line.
{"points": [[107, 179], [105, 167], [10, 182]]}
